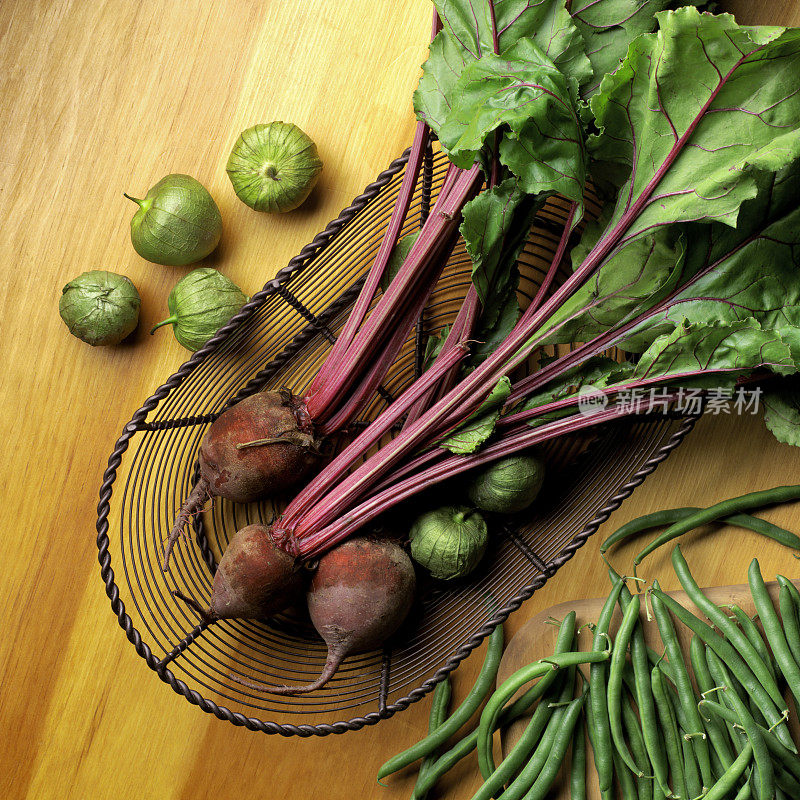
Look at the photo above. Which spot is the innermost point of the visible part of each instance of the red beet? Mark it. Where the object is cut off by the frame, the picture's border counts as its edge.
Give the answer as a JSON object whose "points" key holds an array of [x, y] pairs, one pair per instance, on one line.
{"points": [[359, 596], [261, 446], [255, 579]]}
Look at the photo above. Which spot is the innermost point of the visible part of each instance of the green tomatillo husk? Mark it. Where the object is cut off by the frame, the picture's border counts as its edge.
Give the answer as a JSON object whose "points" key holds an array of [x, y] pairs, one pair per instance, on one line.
{"points": [[273, 167], [100, 307], [449, 541], [177, 223], [507, 485], [200, 304]]}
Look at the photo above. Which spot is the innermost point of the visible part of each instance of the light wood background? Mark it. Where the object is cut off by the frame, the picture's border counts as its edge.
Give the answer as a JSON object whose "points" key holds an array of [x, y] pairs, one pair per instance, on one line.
{"points": [[98, 97]]}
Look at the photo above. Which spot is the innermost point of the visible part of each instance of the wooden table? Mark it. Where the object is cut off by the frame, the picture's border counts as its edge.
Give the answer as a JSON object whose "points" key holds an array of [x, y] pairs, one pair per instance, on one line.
{"points": [[105, 96]]}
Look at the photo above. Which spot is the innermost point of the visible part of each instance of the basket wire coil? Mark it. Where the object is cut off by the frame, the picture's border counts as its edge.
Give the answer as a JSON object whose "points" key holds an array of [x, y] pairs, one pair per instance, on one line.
{"points": [[279, 338]]}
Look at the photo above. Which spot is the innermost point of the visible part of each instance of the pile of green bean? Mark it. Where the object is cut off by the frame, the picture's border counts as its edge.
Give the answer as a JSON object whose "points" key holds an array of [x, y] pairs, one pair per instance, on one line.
{"points": [[659, 726], [539, 754]]}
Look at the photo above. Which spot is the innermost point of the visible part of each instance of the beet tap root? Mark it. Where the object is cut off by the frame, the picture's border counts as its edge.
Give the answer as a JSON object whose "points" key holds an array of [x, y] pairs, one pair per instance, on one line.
{"points": [[359, 596]]}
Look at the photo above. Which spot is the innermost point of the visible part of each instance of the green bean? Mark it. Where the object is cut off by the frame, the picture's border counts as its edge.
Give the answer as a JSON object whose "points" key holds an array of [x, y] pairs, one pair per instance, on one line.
{"points": [[728, 654], [751, 631], [627, 785], [558, 750], [686, 698], [603, 761], [628, 677], [773, 629], [590, 728], [577, 767], [532, 767], [669, 728], [780, 754], [672, 516], [787, 783], [680, 714], [788, 609], [450, 758], [564, 642], [736, 731], [793, 590], [530, 741], [745, 792], [765, 785], [761, 526], [715, 729], [517, 709], [484, 744], [471, 702], [644, 696], [754, 709], [644, 783], [491, 711], [790, 627], [656, 659], [726, 783], [778, 494], [716, 764], [439, 707], [614, 689], [694, 785], [725, 625], [646, 523]]}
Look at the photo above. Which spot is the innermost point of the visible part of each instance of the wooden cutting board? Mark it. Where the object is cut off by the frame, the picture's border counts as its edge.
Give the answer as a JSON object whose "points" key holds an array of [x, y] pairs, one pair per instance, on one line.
{"points": [[536, 639]]}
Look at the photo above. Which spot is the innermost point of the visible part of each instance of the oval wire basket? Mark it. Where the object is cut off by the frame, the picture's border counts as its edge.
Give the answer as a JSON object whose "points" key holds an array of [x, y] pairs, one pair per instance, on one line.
{"points": [[279, 339]]}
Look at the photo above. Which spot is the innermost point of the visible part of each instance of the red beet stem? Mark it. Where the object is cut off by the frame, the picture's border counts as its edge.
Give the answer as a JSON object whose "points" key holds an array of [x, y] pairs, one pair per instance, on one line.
{"points": [[452, 409], [417, 275], [370, 436], [354, 321], [333, 361], [324, 539], [193, 505], [362, 396], [460, 330]]}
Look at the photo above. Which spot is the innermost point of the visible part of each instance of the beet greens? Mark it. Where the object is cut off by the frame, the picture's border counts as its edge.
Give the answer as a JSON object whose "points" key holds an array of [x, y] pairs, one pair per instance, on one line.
{"points": [[691, 265]]}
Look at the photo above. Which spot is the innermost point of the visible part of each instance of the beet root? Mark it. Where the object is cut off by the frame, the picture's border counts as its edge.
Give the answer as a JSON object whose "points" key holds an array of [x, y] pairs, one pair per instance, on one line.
{"points": [[259, 447], [359, 596], [255, 579]]}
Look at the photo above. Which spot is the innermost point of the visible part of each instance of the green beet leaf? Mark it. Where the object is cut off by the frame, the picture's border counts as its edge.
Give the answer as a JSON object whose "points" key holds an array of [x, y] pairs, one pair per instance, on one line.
{"points": [[495, 228], [630, 281], [525, 94], [727, 275], [433, 346], [609, 26], [747, 273], [736, 348], [466, 36], [479, 427], [782, 411], [693, 113], [597, 373], [495, 322]]}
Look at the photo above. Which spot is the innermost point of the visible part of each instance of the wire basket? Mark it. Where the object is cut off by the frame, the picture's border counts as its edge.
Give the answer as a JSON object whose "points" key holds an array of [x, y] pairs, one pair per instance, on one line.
{"points": [[279, 339]]}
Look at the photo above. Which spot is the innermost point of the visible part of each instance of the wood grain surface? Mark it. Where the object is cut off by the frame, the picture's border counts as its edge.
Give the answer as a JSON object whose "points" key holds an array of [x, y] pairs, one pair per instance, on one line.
{"points": [[98, 97]]}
